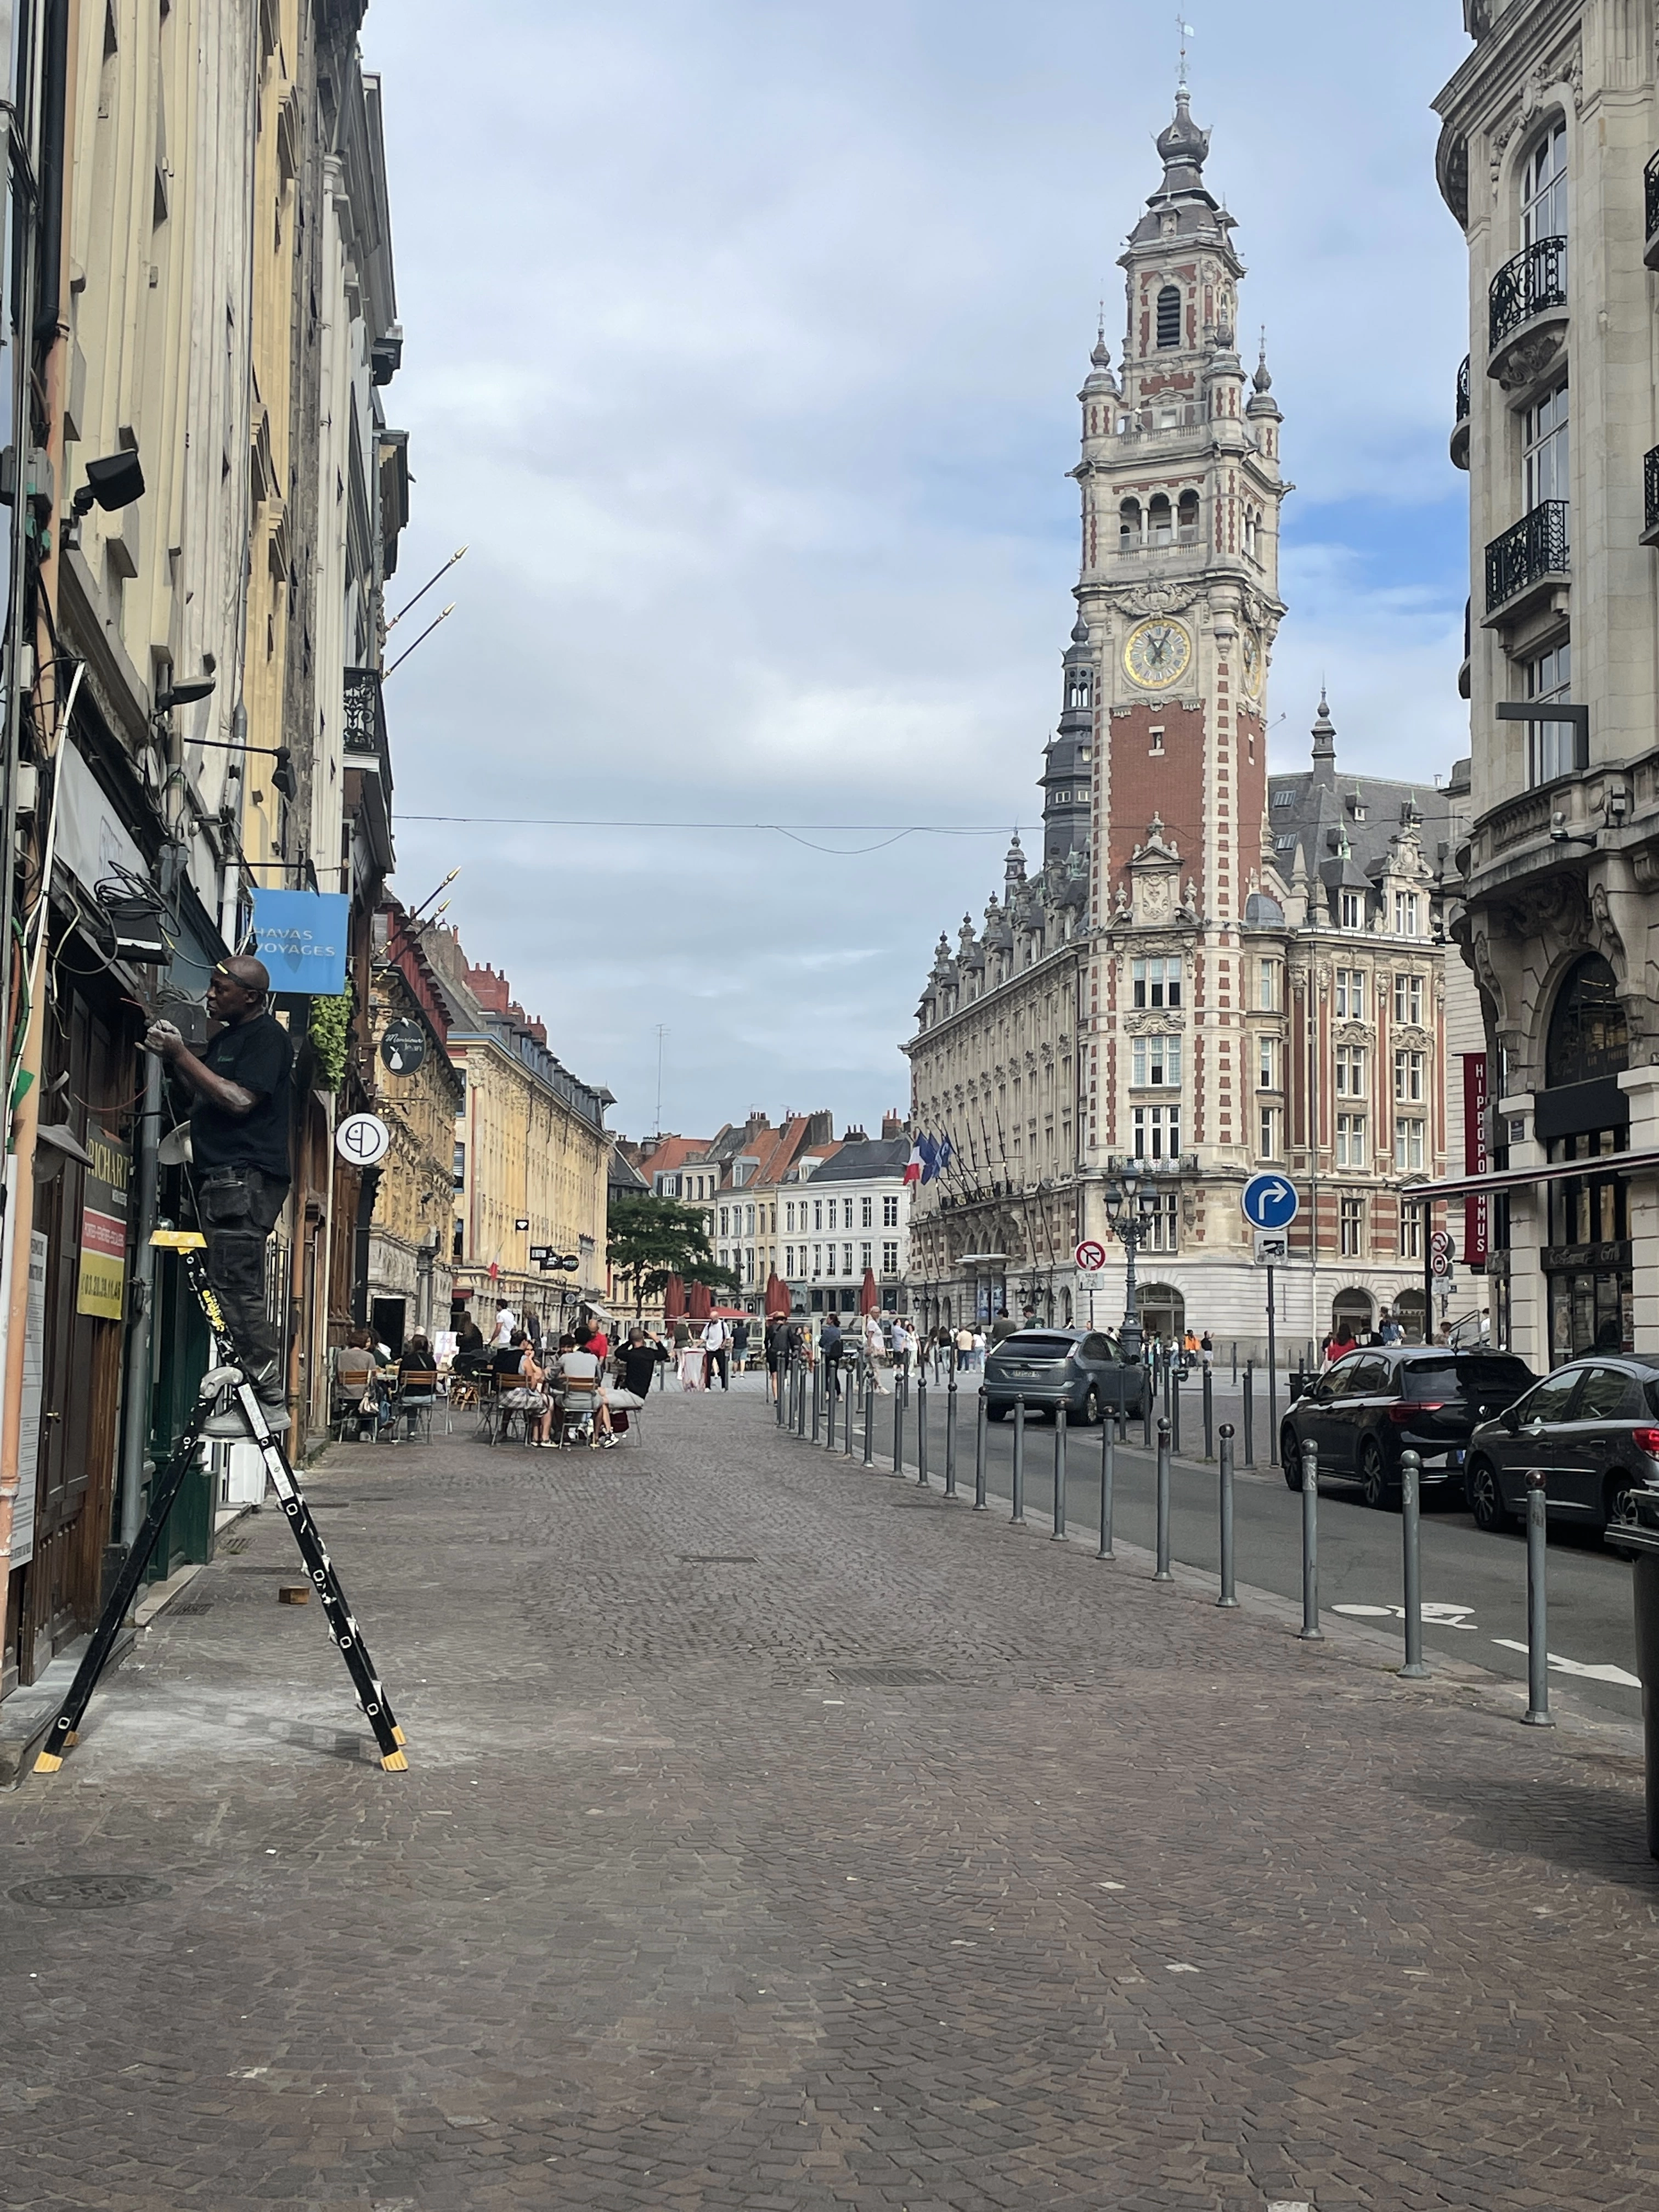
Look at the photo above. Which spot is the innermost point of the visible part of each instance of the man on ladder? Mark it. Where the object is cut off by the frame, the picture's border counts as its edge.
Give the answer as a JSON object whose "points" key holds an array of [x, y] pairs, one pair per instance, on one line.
{"points": [[239, 1118]]}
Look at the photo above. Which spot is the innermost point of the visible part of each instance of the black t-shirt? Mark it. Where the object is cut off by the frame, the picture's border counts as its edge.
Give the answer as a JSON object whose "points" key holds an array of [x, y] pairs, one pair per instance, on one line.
{"points": [[256, 1053], [829, 1343], [639, 1363]]}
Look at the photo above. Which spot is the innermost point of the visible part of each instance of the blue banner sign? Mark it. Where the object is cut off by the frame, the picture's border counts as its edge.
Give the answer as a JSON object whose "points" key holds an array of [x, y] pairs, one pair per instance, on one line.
{"points": [[301, 938]]}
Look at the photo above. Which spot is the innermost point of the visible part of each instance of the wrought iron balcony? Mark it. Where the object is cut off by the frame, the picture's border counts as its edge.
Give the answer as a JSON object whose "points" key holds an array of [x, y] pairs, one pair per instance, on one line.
{"points": [[1530, 283], [1651, 498], [1528, 559], [1650, 194], [1459, 436]]}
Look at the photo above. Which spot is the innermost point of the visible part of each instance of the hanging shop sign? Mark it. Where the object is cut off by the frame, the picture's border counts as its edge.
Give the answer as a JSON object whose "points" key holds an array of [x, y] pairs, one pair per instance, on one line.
{"points": [[300, 936], [100, 1287]]}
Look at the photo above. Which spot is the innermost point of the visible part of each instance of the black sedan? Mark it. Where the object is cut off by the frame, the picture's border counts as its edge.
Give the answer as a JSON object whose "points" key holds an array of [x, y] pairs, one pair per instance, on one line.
{"points": [[1591, 1429], [1083, 1369], [1374, 1403]]}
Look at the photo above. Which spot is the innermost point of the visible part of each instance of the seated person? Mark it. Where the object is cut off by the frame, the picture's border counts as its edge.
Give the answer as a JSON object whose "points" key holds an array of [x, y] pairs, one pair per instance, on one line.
{"points": [[518, 1380], [582, 1365], [417, 1378], [355, 1370], [639, 1360], [470, 1355]]}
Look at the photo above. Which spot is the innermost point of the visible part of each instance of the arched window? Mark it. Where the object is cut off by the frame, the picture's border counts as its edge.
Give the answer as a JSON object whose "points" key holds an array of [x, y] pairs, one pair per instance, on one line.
{"points": [[1543, 189], [1129, 526], [1077, 690], [1187, 516], [1168, 318], [1158, 530], [1588, 1034]]}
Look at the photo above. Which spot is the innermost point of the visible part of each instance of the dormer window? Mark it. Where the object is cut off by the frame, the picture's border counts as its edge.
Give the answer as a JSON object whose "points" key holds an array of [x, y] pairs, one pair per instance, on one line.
{"points": [[1168, 318]]}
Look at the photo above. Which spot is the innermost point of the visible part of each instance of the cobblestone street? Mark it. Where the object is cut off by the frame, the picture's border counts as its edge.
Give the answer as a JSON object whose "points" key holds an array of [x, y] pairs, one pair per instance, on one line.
{"points": [[778, 1837]]}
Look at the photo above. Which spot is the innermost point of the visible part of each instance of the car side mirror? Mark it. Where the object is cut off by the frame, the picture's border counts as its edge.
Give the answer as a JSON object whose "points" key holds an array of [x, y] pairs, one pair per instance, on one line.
{"points": [[1512, 1420]]}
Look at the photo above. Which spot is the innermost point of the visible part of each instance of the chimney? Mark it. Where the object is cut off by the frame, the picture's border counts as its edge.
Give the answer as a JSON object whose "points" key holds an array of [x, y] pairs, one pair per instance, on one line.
{"points": [[892, 1126]]}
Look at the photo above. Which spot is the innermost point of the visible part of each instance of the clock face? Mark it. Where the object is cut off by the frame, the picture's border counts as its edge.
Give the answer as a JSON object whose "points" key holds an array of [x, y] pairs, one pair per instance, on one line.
{"points": [[1157, 652], [1252, 663]]}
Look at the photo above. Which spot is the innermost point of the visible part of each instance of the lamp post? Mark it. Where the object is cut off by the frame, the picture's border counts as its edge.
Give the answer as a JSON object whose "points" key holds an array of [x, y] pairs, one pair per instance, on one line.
{"points": [[1130, 1205]]}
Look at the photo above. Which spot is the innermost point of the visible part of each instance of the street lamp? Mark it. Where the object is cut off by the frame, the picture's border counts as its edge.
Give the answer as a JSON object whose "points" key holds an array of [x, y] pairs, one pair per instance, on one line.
{"points": [[1130, 1207]]}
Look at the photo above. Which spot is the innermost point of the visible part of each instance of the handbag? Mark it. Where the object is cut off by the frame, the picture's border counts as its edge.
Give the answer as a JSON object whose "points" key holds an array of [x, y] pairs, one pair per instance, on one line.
{"points": [[368, 1403]]}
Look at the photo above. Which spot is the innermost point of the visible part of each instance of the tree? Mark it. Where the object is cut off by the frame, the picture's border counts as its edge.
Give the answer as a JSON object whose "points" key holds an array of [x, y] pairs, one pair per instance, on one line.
{"points": [[651, 1240]]}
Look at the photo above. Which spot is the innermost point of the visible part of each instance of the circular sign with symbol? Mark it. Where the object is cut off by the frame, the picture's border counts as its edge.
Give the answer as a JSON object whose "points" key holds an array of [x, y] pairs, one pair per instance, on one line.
{"points": [[1440, 1263], [1269, 1202], [362, 1139], [1090, 1256], [1442, 1242], [404, 1046]]}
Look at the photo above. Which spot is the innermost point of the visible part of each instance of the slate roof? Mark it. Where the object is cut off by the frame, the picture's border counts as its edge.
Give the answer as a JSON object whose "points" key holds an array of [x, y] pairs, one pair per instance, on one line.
{"points": [[868, 1162]]}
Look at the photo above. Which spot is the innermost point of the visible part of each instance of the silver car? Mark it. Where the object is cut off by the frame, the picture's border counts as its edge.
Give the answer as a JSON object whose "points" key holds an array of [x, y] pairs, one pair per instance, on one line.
{"points": [[1083, 1369]]}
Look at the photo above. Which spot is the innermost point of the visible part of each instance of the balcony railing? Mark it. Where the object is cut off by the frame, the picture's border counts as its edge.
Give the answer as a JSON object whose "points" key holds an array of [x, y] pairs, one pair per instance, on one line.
{"points": [[1651, 498], [1650, 194], [1462, 415], [1459, 436], [1532, 281], [1535, 550]]}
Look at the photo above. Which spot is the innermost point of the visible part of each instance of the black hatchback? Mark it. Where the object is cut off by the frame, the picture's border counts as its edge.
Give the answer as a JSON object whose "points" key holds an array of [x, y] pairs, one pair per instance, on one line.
{"points": [[1374, 1403], [1591, 1429], [1083, 1369]]}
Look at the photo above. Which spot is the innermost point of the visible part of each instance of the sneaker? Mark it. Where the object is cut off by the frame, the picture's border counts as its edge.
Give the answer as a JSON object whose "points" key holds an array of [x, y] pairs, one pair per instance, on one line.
{"points": [[232, 1424]]}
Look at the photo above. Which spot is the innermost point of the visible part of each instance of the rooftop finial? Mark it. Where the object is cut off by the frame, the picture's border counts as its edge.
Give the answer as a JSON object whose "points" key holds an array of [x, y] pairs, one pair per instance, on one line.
{"points": [[1185, 31]]}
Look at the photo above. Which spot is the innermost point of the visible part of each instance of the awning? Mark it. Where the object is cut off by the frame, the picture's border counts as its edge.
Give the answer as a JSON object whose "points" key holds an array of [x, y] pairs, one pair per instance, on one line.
{"points": [[1507, 1179]]}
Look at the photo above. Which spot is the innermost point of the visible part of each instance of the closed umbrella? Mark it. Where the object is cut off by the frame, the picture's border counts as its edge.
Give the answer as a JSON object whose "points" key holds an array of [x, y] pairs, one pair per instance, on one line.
{"points": [[673, 1300], [702, 1306], [777, 1297], [869, 1296]]}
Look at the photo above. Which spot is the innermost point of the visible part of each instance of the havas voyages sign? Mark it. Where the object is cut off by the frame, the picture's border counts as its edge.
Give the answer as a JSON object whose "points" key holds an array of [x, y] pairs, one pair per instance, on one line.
{"points": [[100, 1288]]}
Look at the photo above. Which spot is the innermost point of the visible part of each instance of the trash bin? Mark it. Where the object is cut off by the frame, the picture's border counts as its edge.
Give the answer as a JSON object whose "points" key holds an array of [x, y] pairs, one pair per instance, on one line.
{"points": [[1638, 1540]]}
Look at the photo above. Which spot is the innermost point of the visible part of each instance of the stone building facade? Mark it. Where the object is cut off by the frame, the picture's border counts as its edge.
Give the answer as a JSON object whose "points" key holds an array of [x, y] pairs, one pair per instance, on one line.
{"points": [[1547, 162], [1204, 976]]}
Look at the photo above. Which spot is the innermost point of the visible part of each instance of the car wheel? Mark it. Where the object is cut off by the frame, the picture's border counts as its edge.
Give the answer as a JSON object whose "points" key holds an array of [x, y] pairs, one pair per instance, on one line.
{"points": [[1486, 1505], [1090, 1415], [1290, 1456], [993, 1412], [1373, 1475]]}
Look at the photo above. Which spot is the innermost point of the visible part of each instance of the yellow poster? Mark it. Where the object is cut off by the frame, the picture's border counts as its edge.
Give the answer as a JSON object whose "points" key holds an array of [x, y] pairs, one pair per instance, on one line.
{"points": [[101, 1286]]}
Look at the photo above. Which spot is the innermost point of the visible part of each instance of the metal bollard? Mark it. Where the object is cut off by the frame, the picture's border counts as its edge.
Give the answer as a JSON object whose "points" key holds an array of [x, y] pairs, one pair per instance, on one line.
{"points": [[1234, 1362], [1108, 1471], [1060, 1474], [922, 1428], [898, 1424], [981, 1428], [817, 1398], [1229, 1595], [1017, 1516], [1146, 1411], [778, 1378], [1537, 1714], [1163, 1574], [1175, 1411], [1249, 1412], [1311, 1631], [802, 1394], [870, 1422], [1411, 1538], [1209, 1415], [950, 1428]]}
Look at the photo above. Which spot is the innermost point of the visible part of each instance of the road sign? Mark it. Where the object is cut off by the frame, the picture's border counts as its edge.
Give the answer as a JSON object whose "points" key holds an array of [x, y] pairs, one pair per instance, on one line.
{"points": [[1440, 1264], [522, 1223], [362, 1139], [1268, 1202], [1090, 1256], [1271, 1247], [1442, 1242], [404, 1046]]}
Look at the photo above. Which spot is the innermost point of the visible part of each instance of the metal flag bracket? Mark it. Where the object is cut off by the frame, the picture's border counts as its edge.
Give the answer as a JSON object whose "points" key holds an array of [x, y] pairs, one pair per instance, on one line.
{"points": [[226, 1378]]}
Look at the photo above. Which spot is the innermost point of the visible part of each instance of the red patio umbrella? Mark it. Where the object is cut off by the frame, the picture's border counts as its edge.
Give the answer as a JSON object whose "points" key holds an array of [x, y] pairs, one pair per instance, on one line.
{"points": [[869, 1296], [777, 1297], [702, 1306], [673, 1300]]}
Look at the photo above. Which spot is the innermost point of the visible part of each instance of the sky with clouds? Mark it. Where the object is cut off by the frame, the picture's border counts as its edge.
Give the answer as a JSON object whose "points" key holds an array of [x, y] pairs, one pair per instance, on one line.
{"points": [[742, 347]]}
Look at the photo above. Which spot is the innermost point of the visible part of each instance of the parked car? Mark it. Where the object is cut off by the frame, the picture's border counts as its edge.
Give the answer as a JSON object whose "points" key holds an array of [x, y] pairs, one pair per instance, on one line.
{"points": [[1591, 1429], [1083, 1369], [1380, 1399]]}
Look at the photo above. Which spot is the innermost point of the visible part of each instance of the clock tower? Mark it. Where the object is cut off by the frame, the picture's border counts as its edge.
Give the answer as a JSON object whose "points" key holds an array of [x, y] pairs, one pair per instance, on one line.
{"points": [[1180, 491]]}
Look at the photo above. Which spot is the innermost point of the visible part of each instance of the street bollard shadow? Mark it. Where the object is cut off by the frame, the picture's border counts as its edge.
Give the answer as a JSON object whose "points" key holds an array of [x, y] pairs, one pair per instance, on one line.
{"points": [[1582, 1827]]}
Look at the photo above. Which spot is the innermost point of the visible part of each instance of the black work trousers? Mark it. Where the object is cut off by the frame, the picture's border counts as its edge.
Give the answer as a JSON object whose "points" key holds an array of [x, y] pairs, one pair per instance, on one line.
{"points": [[238, 1208]]}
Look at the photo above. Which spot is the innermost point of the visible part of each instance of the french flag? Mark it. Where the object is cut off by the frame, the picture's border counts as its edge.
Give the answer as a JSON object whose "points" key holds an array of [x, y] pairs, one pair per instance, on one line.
{"points": [[917, 1161]]}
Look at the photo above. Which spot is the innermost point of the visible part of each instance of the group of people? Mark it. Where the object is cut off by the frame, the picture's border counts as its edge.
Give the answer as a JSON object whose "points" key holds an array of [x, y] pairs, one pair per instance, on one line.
{"points": [[707, 1349], [1342, 1337]]}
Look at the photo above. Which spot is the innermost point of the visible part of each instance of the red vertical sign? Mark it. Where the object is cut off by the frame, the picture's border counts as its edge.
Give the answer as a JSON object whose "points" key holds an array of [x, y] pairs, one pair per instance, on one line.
{"points": [[1476, 1209]]}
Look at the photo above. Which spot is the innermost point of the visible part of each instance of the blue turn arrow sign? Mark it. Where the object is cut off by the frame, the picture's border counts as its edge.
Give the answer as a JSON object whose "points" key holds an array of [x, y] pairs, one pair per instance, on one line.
{"points": [[1269, 1202]]}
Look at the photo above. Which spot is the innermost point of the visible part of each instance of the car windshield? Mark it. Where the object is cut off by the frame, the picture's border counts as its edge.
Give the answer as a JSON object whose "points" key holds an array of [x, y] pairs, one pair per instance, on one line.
{"points": [[1466, 1375], [1035, 1346]]}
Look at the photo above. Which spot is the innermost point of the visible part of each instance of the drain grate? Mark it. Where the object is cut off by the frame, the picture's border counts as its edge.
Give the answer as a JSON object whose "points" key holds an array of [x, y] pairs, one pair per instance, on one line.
{"points": [[889, 1676], [190, 1605], [719, 1558], [89, 1893], [236, 1544]]}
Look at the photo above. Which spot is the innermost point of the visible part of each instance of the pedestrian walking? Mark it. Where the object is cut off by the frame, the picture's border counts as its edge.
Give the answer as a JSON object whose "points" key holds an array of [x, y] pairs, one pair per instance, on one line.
{"points": [[506, 1321], [902, 1346], [740, 1345], [1206, 1351], [776, 1336], [717, 1343], [832, 1343], [874, 1345]]}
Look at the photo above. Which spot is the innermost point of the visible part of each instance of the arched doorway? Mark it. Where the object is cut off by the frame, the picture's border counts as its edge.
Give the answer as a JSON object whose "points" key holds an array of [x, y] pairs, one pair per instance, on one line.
{"points": [[1409, 1312], [1357, 1309], [1589, 1038], [1163, 1312]]}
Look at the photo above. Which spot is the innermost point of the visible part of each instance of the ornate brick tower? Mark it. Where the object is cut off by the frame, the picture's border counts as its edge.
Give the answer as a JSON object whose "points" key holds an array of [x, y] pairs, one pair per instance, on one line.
{"points": [[1181, 492]]}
